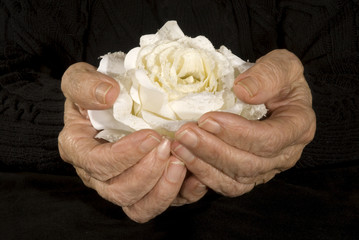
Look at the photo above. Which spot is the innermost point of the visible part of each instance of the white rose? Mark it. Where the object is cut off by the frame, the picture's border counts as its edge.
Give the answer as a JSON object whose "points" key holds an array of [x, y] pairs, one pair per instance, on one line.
{"points": [[169, 80]]}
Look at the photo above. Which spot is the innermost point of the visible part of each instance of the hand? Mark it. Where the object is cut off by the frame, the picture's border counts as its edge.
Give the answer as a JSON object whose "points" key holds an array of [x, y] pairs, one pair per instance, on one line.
{"points": [[231, 154], [137, 172]]}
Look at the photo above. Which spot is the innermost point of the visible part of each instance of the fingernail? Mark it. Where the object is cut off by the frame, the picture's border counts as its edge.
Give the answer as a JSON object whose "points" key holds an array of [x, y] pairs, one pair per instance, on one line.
{"points": [[174, 171], [164, 149], [184, 154], [101, 92], [188, 137], [249, 84], [200, 189], [149, 143], [210, 125]]}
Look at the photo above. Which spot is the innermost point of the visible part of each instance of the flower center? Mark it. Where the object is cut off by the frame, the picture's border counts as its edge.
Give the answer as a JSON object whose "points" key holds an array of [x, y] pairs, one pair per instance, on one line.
{"points": [[190, 67], [188, 80]]}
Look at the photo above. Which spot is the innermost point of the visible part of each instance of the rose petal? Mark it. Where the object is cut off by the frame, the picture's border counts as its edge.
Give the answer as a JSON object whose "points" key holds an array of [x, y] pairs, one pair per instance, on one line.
{"points": [[150, 56], [161, 124], [153, 98], [149, 39], [170, 31], [122, 111], [131, 59], [254, 112], [123, 103], [235, 61], [112, 64], [135, 122], [229, 99], [193, 106], [112, 135], [134, 91], [200, 42], [155, 80], [250, 112], [104, 119]]}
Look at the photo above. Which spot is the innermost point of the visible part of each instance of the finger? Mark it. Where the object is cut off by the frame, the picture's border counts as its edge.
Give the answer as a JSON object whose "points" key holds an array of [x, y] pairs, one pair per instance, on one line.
{"points": [[131, 185], [288, 126], [78, 146], [270, 78], [233, 162], [161, 196], [83, 111], [74, 113], [191, 191], [88, 88], [260, 179], [105, 160], [210, 176], [222, 156]]}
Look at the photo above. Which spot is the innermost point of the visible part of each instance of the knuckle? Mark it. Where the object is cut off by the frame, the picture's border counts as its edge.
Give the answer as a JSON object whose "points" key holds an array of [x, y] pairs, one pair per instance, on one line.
{"points": [[142, 213], [73, 77], [295, 66], [244, 180], [273, 144], [250, 168], [310, 133], [85, 177], [63, 144], [234, 190], [290, 156], [99, 165], [62, 153], [268, 178], [97, 173], [215, 154], [138, 217], [276, 135], [122, 199], [68, 76], [281, 64], [180, 201], [192, 198], [163, 200], [101, 168], [61, 135], [202, 173], [64, 80], [228, 186], [148, 170]]}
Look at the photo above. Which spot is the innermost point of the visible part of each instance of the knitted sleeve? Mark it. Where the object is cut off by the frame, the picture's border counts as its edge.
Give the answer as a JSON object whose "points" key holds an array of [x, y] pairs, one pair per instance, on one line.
{"points": [[35, 49], [324, 35]]}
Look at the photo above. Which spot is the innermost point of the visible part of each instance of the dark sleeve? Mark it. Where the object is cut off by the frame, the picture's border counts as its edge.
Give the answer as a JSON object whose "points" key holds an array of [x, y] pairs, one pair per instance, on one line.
{"points": [[38, 41], [324, 35]]}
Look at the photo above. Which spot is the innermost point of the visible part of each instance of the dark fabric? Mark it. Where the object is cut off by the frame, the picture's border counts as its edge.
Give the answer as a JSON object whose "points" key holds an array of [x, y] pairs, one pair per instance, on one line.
{"points": [[39, 39], [298, 204]]}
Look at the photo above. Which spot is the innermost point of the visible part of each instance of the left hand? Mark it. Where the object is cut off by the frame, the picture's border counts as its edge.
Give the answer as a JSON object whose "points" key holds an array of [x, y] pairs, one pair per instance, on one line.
{"points": [[136, 172], [230, 154]]}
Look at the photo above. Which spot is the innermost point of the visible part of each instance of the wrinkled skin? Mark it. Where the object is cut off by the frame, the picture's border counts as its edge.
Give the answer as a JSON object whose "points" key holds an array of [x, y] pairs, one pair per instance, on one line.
{"points": [[230, 154], [224, 152], [138, 172]]}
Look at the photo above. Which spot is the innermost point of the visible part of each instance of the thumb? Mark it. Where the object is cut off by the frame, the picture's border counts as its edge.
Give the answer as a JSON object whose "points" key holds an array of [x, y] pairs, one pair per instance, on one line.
{"points": [[88, 88], [270, 78]]}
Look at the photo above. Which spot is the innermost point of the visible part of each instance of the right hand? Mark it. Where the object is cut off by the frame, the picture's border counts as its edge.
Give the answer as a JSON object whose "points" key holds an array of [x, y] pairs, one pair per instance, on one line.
{"points": [[137, 172]]}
